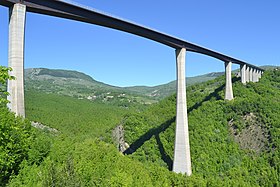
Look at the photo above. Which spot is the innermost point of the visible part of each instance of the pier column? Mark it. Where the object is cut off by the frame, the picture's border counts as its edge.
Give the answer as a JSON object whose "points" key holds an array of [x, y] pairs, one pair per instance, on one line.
{"points": [[16, 58], [255, 75], [243, 73], [247, 74], [182, 156], [228, 93], [251, 74], [259, 74]]}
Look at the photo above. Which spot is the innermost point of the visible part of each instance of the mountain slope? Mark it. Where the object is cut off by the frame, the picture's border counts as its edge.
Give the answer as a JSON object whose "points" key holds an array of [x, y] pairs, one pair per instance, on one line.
{"points": [[82, 86], [165, 90], [79, 157], [74, 118], [57, 73], [162, 91], [236, 142]]}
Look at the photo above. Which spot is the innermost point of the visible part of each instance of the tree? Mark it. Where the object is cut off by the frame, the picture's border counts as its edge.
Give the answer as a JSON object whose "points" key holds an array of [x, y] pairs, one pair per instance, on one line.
{"points": [[15, 134], [4, 76]]}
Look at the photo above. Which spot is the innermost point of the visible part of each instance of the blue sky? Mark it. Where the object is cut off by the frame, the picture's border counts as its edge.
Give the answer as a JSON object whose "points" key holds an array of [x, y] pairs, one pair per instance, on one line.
{"points": [[247, 30]]}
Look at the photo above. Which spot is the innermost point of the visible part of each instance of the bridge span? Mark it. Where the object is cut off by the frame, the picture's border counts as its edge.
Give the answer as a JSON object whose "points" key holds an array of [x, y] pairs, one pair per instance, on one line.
{"points": [[73, 11]]}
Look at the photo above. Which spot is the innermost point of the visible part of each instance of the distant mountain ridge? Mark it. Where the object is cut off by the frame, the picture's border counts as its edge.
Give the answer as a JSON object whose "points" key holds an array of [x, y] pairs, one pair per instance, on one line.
{"points": [[79, 85], [82, 86], [164, 90], [44, 73], [61, 73]]}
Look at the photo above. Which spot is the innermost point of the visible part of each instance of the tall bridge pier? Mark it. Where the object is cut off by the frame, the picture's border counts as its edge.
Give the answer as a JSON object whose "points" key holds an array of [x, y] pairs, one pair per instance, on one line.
{"points": [[247, 77], [16, 58], [228, 92], [249, 74], [243, 73], [182, 155]]}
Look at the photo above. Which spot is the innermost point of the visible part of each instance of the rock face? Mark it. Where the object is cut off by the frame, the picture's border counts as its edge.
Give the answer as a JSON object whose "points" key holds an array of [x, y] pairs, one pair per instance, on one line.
{"points": [[118, 136], [253, 136], [43, 127]]}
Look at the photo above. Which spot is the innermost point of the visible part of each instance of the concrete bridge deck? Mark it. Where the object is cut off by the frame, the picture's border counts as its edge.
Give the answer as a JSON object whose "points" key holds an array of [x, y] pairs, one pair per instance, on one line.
{"points": [[68, 10]]}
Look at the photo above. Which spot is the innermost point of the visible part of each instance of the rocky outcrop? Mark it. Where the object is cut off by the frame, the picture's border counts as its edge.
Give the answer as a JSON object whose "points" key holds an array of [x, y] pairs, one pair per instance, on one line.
{"points": [[118, 136], [43, 127], [253, 136]]}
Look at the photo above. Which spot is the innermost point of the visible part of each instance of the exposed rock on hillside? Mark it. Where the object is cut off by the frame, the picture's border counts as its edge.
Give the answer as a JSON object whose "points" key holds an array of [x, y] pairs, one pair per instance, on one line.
{"points": [[253, 136], [43, 127], [118, 136]]}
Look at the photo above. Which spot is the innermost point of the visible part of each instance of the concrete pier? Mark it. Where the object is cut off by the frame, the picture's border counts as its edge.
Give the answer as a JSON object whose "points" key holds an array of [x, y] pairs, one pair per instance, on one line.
{"points": [[182, 156], [247, 74], [255, 76], [228, 92], [16, 58], [251, 74], [259, 74], [243, 73]]}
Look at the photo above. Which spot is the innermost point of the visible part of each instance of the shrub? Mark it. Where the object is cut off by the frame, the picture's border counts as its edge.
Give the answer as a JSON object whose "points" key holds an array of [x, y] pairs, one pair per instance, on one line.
{"points": [[15, 138]]}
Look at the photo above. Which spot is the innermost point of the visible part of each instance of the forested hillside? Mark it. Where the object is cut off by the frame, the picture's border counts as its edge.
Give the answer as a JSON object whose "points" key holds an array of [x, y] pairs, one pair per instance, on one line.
{"points": [[82, 86], [233, 143], [79, 85], [164, 90]]}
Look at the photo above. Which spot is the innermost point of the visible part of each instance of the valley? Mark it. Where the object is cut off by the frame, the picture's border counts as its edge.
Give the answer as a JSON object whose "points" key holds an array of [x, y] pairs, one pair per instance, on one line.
{"points": [[232, 142], [82, 86]]}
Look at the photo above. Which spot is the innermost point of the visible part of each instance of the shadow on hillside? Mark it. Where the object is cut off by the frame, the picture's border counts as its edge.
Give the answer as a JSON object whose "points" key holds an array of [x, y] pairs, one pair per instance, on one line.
{"points": [[214, 94], [147, 136], [165, 157], [156, 131]]}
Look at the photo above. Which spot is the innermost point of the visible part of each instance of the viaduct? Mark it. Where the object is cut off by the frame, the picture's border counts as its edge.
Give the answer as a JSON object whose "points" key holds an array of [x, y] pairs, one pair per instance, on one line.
{"points": [[73, 11]]}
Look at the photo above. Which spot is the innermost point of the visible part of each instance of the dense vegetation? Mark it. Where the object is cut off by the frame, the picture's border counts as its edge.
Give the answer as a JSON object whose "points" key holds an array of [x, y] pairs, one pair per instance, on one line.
{"points": [[15, 134], [81, 153], [221, 154], [78, 155], [79, 119]]}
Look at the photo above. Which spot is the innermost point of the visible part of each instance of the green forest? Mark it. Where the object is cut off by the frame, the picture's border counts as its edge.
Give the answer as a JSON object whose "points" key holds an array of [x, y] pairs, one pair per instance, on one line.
{"points": [[233, 143]]}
